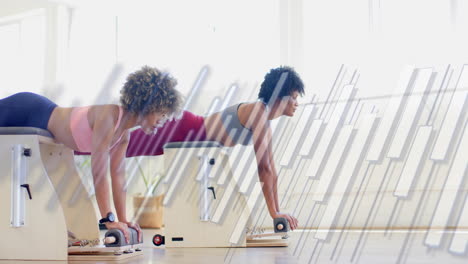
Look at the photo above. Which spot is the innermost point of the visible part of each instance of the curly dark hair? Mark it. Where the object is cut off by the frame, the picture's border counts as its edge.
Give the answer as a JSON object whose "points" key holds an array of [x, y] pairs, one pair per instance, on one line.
{"points": [[149, 90], [291, 84]]}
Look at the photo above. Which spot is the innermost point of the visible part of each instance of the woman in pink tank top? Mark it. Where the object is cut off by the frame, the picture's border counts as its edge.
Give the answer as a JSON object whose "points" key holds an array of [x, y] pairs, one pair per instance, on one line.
{"points": [[250, 120], [148, 99]]}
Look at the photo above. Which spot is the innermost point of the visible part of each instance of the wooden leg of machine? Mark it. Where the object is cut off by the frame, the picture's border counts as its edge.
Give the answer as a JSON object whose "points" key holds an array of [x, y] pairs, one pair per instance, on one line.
{"points": [[32, 226]]}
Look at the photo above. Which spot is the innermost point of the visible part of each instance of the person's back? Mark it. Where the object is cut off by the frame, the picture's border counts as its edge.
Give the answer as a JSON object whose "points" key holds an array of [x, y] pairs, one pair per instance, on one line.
{"points": [[233, 125], [73, 126], [147, 96]]}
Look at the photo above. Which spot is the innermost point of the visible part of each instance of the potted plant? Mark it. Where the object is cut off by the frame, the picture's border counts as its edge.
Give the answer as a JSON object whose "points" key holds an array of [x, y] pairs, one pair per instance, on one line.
{"points": [[148, 207]]}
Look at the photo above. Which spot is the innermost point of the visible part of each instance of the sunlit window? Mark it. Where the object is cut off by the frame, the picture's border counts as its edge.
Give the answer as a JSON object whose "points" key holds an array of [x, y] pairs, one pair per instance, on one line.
{"points": [[22, 47], [378, 38], [238, 41]]}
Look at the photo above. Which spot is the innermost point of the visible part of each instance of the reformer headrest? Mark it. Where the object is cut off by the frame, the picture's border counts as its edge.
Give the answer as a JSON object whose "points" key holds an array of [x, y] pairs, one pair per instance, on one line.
{"points": [[193, 144], [25, 131]]}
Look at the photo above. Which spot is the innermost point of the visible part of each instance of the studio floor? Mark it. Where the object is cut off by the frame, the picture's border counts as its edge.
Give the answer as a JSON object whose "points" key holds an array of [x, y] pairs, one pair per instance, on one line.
{"points": [[352, 246]]}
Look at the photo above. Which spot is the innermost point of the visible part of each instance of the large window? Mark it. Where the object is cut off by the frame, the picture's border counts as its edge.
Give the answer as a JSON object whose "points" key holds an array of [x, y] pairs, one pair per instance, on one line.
{"points": [[91, 76], [378, 38], [237, 40], [22, 47]]}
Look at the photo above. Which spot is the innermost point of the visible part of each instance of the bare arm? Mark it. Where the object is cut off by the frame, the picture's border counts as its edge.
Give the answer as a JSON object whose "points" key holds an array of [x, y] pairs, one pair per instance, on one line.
{"points": [[262, 137], [272, 164], [266, 172], [101, 139], [119, 193], [103, 132], [117, 171]]}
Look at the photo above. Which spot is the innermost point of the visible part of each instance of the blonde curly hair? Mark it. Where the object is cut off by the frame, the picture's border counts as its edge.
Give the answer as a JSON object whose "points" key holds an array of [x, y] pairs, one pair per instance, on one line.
{"points": [[150, 90]]}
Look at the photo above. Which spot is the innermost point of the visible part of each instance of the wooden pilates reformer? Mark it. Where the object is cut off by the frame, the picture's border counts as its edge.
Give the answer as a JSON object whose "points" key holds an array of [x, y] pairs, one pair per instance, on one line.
{"points": [[199, 198], [42, 196]]}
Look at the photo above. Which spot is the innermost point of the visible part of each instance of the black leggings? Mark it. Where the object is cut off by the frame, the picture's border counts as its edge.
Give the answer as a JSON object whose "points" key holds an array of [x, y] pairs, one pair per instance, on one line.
{"points": [[25, 110]]}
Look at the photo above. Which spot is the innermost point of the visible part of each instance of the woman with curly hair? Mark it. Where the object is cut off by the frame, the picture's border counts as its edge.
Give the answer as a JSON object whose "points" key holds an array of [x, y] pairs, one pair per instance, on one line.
{"points": [[242, 123], [148, 97]]}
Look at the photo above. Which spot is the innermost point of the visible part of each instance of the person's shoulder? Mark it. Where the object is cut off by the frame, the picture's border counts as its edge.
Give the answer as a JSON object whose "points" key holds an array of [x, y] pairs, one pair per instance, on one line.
{"points": [[104, 109], [257, 106], [263, 107], [258, 112], [250, 108], [104, 112]]}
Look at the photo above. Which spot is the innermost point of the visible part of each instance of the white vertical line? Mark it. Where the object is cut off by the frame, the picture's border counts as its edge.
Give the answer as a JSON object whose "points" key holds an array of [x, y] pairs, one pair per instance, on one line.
{"points": [[413, 106], [174, 184], [222, 157], [311, 137], [234, 154], [336, 97], [236, 177], [177, 159], [223, 204], [228, 97], [201, 77], [279, 141], [240, 168], [462, 82], [413, 161], [209, 153], [175, 167], [358, 114], [245, 215], [332, 163], [252, 169], [438, 98], [333, 88], [449, 193], [348, 171], [447, 130], [297, 135], [330, 131], [390, 117], [189, 153], [460, 238], [251, 172]]}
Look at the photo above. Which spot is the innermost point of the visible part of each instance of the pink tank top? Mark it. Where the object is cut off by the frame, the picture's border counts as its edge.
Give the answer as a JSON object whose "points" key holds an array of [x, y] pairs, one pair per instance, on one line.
{"points": [[82, 132]]}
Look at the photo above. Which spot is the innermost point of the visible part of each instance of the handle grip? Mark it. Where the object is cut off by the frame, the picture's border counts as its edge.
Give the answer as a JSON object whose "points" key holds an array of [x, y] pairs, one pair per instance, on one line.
{"points": [[27, 189]]}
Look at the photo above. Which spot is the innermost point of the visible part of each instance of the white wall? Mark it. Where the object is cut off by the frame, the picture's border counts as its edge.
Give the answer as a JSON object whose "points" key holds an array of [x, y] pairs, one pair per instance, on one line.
{"points": [[10, 8]]}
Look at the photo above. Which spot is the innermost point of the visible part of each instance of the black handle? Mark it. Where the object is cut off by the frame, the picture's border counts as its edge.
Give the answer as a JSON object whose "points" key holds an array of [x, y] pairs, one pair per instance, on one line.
{"points": [[27, 188], [27, 152], [212, 189]]}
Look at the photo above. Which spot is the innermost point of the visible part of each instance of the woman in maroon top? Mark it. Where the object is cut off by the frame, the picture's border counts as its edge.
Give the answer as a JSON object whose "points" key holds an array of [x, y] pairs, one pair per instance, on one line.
{"points": [[249, 120]]}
